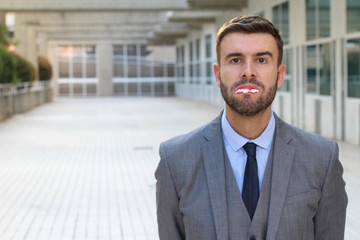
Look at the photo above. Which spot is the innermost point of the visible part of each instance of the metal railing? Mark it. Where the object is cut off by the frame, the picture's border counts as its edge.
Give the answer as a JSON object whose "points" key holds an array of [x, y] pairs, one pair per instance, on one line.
{"points": [[24, 87]]}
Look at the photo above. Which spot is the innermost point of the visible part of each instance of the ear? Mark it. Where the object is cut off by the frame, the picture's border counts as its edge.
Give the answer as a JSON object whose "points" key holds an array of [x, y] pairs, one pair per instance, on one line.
{"points": [[216, 68], [281, 75]]}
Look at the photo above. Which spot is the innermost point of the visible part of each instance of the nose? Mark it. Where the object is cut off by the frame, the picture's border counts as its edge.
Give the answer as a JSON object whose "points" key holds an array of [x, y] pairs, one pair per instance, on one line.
{"points": [[249, 71]]}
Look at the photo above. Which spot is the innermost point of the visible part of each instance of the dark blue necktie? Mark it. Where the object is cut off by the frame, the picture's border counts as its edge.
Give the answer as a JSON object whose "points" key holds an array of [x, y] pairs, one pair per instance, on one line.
{"points": [[250, 192]]}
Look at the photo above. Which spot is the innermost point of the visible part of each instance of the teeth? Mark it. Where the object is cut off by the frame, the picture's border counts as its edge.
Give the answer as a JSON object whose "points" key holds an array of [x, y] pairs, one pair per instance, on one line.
{"points": [[245, 90]]}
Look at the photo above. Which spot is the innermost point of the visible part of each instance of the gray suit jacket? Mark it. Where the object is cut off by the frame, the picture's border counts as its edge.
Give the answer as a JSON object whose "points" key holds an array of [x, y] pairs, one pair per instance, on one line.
{"points": [[308, 199]]}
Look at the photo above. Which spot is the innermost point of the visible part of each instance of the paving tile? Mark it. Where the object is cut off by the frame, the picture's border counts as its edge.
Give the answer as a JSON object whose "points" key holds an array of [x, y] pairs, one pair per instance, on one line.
{"points": [[84, 168]]}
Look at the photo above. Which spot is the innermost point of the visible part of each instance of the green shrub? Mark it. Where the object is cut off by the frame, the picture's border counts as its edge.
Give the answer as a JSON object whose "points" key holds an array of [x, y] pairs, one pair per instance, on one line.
{"points": [[45, 68], [3, 32], [7, 66], [24, 69]]}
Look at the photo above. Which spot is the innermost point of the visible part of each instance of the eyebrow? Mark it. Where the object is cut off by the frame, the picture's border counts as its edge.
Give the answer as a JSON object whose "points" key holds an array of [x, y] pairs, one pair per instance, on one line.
{"points": [[234, 54], [263, 53], [239, 54]]}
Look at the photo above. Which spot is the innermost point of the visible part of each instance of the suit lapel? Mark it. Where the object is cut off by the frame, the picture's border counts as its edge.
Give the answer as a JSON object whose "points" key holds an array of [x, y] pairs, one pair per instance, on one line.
{"points": [[282, 164], [213, 157]]}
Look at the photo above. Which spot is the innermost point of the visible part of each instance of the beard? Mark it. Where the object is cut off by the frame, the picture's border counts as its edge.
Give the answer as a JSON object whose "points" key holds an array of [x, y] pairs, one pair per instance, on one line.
{"points": [[246, 107]]}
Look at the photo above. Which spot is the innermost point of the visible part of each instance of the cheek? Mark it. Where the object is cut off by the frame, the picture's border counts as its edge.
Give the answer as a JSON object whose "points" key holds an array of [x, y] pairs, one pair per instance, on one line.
{"points": [[230, 74], [270, 78]]}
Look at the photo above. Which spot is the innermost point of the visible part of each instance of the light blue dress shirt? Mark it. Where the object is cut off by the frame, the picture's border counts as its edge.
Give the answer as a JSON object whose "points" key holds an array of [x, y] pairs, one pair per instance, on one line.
{"points": [[234, 147]]}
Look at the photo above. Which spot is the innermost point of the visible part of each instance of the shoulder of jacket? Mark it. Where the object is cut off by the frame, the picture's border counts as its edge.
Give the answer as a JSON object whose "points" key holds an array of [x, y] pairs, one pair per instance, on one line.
{"points": [[194, 137]]}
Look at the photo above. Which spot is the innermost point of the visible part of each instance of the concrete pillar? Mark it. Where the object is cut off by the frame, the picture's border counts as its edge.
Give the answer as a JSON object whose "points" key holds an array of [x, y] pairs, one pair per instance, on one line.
{"points": [[25, 35], [297, 36], [31, 53], [338, 30], [52, 56], [105, 69]]}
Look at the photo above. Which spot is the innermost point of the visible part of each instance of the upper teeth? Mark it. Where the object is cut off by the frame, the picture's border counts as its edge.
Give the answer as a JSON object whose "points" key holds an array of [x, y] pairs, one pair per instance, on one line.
{"points": [[245, 90]]}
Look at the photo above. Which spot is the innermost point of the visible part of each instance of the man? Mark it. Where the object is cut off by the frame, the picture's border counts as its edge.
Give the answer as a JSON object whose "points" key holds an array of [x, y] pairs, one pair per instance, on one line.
{"points": [[248, 174]]}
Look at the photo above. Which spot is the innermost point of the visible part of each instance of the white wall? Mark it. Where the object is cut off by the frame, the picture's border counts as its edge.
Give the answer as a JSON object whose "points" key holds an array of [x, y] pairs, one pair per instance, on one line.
{"points": [[352, 121], [96, 5]]}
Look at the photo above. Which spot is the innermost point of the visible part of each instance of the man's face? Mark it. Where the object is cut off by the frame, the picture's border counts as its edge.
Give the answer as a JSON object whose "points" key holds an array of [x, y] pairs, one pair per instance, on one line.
{"points": [[248, 73]]}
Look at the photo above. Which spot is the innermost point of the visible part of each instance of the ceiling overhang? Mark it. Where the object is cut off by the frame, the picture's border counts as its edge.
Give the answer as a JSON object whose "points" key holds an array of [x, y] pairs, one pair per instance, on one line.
{"points": [[193, 17], [162, 27], [168, 33], [216, 4]]}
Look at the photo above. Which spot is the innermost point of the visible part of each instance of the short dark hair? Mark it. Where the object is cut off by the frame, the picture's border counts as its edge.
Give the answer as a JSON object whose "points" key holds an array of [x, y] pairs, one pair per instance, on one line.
{"points": [[249, 24]]}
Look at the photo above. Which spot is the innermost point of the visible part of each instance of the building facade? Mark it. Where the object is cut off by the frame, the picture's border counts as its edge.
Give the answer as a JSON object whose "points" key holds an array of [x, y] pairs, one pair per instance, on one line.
{"points": [[167, 47], [321, 93]]}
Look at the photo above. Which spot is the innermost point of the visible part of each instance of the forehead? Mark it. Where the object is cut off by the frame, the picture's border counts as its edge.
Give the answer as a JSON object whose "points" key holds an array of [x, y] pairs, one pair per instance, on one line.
{"points": [[248, 43]]}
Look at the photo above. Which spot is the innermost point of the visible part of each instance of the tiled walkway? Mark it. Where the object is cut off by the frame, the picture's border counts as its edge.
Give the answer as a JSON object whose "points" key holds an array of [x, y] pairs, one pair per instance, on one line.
{"points": [[83, 168]]}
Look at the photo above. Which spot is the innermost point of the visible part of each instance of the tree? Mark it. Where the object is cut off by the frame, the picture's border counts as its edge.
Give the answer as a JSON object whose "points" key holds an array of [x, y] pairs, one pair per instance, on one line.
{"points": [[7, 66], [3, 32], [45, 68]]}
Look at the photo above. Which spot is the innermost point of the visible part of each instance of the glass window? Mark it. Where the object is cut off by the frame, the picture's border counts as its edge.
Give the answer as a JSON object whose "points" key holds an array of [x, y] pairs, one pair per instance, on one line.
{"points": [[145, 68], [118, 50], [170, 70], [64, 71], [208, 41], [191, 72], [182, 54], [318, 69], [191, 51], [10, 23], [260, 14], [317, 19], [310, 19], [182, 50], [209, 59], [132, 50], [276, 16], [145, 64], [64, 61], [178, 57], [90, 59], [137, 61], [325, 69], [311, 68], [209, 69], [324, 18], [285, 22], [353, 67], [180, 69], [179, 64], [132, 65], [287, 61], [197, 61], [191, 63], [281, 20], [143, 51], [197, 49], [353, 15], [197, 70], [118, 61], [159, 69], [77, 62]]}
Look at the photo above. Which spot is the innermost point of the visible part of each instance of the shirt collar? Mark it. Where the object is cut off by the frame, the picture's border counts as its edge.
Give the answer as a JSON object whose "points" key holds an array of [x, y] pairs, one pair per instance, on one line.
{"points": [[236, 141]]}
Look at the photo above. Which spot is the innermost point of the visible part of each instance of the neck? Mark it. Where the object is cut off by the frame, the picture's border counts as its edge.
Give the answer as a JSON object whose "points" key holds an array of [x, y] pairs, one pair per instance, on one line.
{"points": [[249, 127]]}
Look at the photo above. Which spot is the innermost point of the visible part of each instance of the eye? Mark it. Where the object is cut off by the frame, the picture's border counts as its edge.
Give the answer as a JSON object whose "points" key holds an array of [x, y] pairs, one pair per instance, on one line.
{"points": [[235, 60], [261, 60]]}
